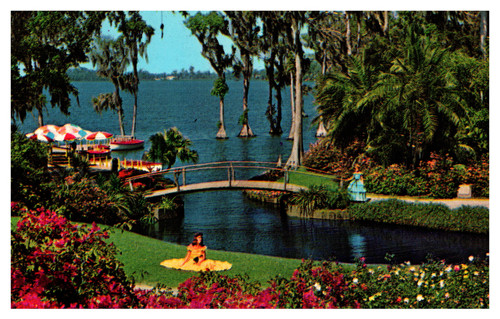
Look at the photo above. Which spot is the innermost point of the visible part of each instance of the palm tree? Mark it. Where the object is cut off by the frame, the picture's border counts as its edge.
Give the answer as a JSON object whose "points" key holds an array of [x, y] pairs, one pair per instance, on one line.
{"points": [[166, 147], [338, 95], [111, 58], [137, 35], [420, 94]]}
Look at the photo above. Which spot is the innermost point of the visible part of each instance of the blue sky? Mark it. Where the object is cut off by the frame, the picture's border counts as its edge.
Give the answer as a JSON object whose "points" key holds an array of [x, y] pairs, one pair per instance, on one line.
{"points": [[178, 49]]}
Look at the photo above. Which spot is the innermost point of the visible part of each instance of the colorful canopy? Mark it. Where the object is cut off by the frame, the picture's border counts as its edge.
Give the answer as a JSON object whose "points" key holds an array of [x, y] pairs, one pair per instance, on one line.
{"points": [[98, 136], [65, 137], [46, 129], [49, 137], [73, 129]]}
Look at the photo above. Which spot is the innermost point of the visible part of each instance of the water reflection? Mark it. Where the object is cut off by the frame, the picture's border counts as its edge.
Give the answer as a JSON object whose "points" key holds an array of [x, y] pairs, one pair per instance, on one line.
{"points": [[263, 229], [358, 246]]}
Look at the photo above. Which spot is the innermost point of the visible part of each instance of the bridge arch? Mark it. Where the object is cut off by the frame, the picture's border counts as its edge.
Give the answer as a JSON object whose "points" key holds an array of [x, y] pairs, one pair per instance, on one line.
{"points": [[227, 180]]}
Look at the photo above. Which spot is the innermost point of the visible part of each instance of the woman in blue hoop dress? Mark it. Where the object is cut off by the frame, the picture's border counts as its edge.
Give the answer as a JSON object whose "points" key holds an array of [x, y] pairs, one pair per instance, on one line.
{"points": [[356, 188]]}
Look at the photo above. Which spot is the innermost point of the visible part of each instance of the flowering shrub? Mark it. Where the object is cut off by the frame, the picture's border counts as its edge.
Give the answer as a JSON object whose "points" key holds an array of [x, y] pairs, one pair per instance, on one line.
{"points": [[323, 156], [56, 264], [438, 177], [313, 287], [264, 195], [478, 176], [434, 284], [82, 200]]}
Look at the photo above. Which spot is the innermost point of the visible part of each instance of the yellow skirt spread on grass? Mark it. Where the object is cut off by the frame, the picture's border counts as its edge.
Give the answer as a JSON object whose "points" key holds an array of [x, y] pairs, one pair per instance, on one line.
{"points": [[206, 265]]}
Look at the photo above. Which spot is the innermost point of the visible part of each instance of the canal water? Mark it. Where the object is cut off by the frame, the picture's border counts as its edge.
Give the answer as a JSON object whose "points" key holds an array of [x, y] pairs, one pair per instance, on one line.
{"points": [[230, 221]]}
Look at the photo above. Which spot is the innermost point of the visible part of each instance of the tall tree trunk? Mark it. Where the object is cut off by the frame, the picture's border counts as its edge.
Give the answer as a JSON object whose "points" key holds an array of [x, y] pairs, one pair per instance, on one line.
{"points": [[297, 153], [270, 108], [134, 116], [269, 65], [40, 117], [292, 104], [221, 134], [348, 34], [136, 89], [119, 109], [321, 131], [246, 131], [483, 32], [277, 127], [323, 63]]}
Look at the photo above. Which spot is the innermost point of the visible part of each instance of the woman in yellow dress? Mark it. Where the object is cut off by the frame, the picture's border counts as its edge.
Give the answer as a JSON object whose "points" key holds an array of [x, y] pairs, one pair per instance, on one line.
{"points": [[196, 259]]}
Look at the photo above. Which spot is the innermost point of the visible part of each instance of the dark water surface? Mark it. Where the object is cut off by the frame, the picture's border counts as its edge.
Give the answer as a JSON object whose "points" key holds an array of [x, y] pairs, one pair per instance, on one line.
{"points": [[229, 220]]}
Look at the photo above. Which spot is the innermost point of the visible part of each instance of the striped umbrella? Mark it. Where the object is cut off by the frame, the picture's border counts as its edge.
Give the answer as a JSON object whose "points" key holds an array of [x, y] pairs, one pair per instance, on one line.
{"points": [[47, 138], [96, 136], [73, 129], [65, 137], [46, 129]]}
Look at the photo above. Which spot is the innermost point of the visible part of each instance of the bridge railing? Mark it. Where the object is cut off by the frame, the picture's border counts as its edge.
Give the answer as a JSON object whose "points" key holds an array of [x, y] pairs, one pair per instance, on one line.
{"points": [[230, 171]]}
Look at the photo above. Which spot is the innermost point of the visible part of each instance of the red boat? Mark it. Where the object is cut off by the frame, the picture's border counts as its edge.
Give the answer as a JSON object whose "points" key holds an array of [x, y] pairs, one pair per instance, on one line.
{"points": [[125, 143]]}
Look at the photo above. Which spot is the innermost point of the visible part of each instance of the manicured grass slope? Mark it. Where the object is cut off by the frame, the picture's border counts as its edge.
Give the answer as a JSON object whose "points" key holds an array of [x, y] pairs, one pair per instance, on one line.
{"points": [[305, 178], [142, 255]]}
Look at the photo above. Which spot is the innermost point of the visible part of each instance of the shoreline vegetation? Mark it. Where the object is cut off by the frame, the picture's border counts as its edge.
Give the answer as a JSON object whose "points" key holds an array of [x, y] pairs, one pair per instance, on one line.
{"points": [[464, 218]]}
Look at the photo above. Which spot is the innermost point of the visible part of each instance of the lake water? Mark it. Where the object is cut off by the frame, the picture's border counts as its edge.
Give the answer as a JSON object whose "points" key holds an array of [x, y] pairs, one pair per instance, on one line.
{"points": [[228, 220]]}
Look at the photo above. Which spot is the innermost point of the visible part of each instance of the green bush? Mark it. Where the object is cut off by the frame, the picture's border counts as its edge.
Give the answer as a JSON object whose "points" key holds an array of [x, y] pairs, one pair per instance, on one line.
{"points": [[319, 197], [436, 216], [28, 167]]}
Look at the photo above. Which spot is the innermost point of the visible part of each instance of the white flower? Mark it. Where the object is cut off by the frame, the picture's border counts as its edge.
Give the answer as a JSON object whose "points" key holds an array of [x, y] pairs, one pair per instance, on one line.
{"points": [[420, 298], [441, 283], [433, 275], [419, 283], [406, 300], [471, 258], [317, 286], [355, 280]]}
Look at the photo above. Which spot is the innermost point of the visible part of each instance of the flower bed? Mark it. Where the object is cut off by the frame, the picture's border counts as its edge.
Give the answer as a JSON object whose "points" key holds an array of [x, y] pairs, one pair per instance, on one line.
{"points": [[264, 196]]}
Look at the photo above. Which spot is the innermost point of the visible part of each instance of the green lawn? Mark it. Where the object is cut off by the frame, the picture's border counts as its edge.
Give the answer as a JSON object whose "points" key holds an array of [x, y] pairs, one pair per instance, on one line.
{"points": [[306, 178], [142, 255]]}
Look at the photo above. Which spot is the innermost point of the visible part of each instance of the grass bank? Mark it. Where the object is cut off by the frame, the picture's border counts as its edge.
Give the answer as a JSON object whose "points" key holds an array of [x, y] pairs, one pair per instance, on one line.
{"points": [[142, 255], [307, 178]]}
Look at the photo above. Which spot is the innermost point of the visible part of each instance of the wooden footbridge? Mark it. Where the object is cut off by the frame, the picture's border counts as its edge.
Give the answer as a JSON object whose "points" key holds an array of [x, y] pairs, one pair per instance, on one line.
{"points": [[230, 175]]}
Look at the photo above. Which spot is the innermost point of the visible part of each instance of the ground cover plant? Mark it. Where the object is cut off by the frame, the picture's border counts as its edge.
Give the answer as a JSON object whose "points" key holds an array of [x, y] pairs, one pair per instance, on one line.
{"points": [[436, 216], [57, 264]]}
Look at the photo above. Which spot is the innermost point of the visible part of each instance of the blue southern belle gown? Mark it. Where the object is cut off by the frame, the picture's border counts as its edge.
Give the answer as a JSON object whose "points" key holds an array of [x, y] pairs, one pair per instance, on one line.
{"points": [[356, 189]]}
